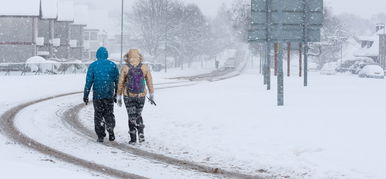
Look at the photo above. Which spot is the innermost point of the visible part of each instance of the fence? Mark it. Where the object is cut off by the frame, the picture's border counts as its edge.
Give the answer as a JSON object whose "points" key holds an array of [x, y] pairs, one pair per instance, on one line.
{"points": [[42, 68]]}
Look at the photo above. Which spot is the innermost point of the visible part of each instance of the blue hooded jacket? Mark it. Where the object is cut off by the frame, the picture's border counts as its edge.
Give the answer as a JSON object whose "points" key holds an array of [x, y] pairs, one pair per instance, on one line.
{"points": [[103, 76]]}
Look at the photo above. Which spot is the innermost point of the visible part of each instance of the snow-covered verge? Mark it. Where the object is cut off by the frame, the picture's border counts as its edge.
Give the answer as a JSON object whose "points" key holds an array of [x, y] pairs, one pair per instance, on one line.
{"points": [[46, 125], [46, 168], [332, 129], [21, 162]]}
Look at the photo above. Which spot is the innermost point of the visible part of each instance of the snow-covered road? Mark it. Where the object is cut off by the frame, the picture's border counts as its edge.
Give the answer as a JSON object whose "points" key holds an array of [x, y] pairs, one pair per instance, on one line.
{"points": [[47, 127], [332, 129], [34, 128]]}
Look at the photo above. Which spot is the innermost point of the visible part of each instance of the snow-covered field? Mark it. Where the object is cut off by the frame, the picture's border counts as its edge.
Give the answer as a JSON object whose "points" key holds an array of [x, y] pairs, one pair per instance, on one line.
{"points": [[332, 129], [15, 90]]}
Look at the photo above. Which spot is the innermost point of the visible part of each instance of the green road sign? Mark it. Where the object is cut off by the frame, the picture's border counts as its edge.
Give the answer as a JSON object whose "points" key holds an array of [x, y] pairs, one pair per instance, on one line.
{"points": [[286, 20]]}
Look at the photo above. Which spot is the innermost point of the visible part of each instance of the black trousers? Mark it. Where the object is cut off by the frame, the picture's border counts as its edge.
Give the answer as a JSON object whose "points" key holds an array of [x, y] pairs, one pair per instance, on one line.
{"points": [[134, 106], [104, 118]]}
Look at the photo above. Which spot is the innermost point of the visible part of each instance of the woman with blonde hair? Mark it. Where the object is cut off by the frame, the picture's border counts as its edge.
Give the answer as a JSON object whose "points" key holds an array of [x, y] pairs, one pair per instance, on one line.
{"points": [[133, 79]]}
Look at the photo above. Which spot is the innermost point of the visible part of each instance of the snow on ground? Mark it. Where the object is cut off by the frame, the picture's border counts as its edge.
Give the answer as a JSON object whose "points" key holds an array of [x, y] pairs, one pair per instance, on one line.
{"points": [[332, 129], [39, 170], [19, 89], [46, 125], [15, 90]]}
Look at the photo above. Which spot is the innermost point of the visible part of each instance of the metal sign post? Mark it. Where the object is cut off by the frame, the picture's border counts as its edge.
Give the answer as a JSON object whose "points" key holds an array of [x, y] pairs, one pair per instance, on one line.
{"points": [[265, 63], [305, 40], [289, 59], [300, 59], [268, 66], [285, 21], [280, 76], [268, 18]]}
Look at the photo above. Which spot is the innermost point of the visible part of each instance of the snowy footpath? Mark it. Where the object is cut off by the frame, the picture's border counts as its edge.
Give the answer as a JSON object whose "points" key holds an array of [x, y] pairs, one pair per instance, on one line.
{"points": [[332, 129], [16, 90]]}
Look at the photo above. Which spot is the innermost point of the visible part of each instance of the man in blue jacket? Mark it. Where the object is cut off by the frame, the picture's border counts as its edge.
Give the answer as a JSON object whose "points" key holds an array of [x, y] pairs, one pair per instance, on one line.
{"points": [[102, 76]]}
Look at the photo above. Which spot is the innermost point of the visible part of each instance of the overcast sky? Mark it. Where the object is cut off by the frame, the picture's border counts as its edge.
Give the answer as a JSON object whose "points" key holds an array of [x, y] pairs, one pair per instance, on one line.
{"points": [[364, 8], [209, 7]]}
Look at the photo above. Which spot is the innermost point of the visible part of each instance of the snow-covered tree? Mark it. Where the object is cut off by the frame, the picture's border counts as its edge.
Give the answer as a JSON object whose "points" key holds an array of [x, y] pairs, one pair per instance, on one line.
{"points": [[241, 18], [221, 31], [333, 37], [150, 16], [169, 26]]}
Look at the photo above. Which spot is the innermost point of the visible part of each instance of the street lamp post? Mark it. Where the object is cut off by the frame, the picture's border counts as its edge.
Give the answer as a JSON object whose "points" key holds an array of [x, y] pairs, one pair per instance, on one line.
{"points": [[166, 36], [121, 62]]}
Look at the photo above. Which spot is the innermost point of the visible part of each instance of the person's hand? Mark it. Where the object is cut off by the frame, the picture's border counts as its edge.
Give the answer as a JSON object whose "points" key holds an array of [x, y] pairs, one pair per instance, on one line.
{"points": [[115, 99], [151, 97], [119, 100], [85, 100]]}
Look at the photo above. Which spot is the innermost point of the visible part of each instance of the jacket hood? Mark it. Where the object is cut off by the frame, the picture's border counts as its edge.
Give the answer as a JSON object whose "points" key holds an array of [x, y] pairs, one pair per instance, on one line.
{"points": [[102, 54], [133, 57]]}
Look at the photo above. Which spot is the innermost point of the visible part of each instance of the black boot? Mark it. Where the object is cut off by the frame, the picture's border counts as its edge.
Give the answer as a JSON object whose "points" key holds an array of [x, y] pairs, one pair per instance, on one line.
{"points": [[101, 137], [141, 138], [133, 138], [111, 136], [141, 135]]}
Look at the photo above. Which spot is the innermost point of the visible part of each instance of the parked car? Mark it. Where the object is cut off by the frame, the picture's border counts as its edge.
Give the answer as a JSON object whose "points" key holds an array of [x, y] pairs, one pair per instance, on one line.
{"points": [[231, 63], [329, 68], [372, 71], [354, 64], [358, 66], [40, 65], [313, 66], [156, 67]]}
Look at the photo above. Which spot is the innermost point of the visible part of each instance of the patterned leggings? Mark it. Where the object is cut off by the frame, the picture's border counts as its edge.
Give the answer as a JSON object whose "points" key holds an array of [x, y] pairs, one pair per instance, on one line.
{"points": [[134, 106]]}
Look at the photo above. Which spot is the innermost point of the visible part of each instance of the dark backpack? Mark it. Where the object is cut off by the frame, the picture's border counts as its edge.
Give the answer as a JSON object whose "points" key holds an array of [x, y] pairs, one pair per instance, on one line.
{"points": [[135, 79]]}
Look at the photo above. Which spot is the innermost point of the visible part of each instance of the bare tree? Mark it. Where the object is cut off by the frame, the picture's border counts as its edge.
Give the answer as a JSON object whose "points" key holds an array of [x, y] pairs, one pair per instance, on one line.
{"points": [[150, 16], [169, 26], [241, 18]]}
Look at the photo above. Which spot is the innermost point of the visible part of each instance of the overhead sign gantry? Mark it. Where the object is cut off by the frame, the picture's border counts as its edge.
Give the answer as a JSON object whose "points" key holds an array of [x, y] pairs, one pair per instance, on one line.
{"points": [[283, 21]]}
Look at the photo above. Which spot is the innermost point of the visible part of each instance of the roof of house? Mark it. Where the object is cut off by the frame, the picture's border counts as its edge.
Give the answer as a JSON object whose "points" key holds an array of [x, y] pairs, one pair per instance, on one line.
{"points": [[81, 15], [372, 51], [66, 11], [49, 9], [20, 8], [367, 38]]}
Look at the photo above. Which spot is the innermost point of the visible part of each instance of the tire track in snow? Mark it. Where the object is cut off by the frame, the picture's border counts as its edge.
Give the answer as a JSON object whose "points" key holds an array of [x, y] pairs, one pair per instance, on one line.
{"points": [[7, 124], [8, 128], [72, 118]]}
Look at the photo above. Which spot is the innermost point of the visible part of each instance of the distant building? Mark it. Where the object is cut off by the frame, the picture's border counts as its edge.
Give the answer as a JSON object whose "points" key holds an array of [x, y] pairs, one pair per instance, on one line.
{"points": [[369, 47], [93, 40], [40, 27], [46, 28], [381, 30], [77, 49], [374, 46], [63, 29], [18, 30]]}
